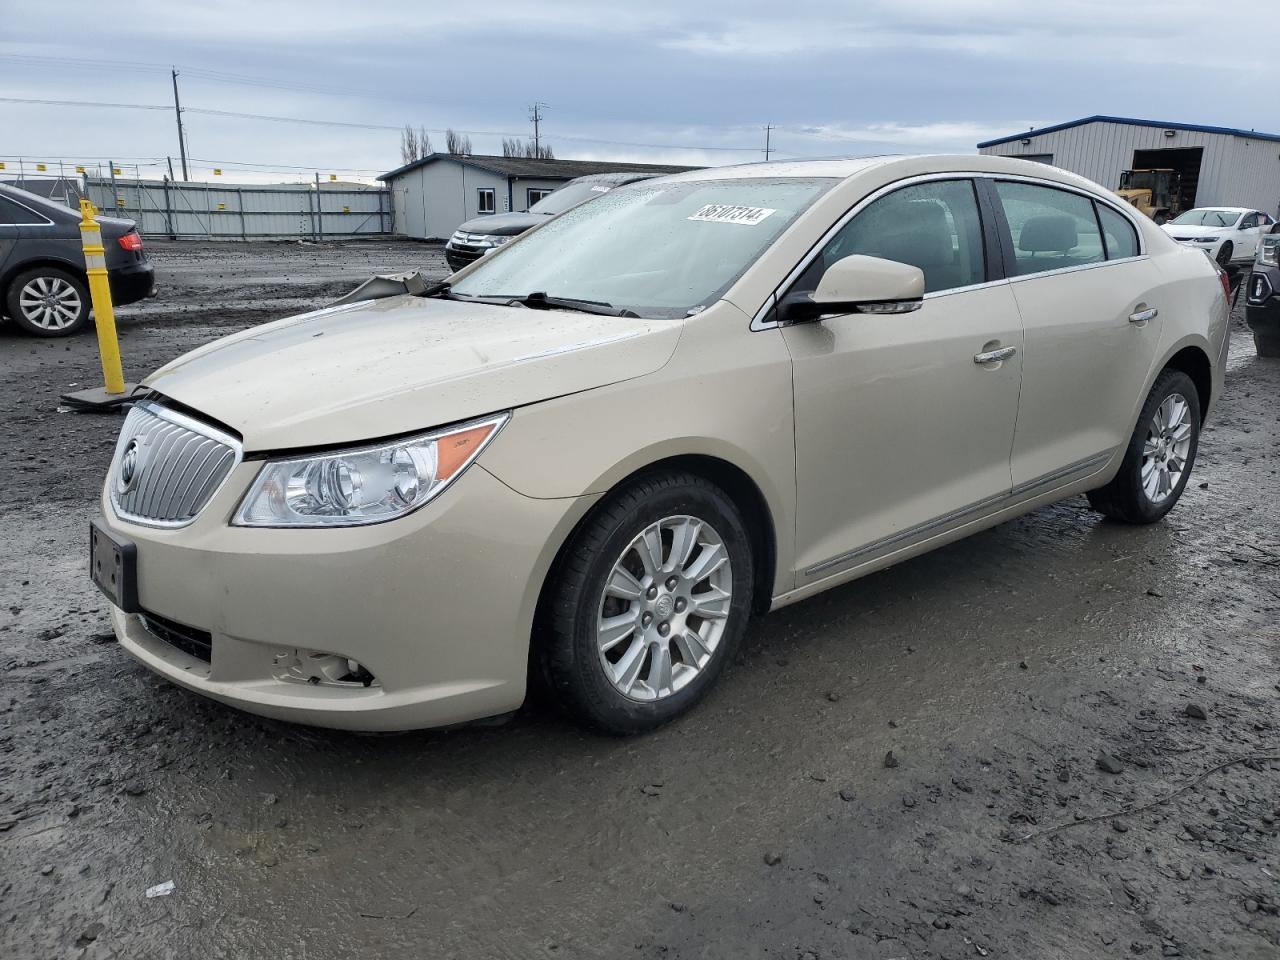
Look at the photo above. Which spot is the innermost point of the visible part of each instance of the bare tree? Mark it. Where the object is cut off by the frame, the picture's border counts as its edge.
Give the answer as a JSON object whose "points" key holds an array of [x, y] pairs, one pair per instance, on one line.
{"points": [[414, 144], [456, 143], [512, 147]]}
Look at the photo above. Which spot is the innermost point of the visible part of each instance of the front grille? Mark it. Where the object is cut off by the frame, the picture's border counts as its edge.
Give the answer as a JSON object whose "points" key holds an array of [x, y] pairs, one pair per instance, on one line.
{"points": [[196, 643], [167, 466]]}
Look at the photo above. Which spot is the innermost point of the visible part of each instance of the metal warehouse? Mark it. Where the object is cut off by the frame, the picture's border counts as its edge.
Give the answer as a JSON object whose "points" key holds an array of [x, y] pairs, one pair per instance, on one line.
{"points": [[433, 196], [1218, 166]]}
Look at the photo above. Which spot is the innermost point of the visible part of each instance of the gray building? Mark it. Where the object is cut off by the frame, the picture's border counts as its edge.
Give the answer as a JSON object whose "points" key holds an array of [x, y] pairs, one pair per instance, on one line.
{"points": [[432, 196], [1219, 166]]}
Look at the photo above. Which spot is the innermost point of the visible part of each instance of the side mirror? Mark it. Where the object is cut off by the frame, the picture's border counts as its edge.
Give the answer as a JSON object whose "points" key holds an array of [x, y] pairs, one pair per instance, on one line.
{"points": [[858, 284]]}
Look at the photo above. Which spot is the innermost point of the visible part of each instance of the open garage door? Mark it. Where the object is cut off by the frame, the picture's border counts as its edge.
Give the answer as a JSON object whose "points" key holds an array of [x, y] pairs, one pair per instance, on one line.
{"points": [[1185, 160]]}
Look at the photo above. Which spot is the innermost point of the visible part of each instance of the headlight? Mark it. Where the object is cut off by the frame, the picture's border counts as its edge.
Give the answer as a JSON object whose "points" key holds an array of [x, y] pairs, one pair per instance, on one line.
{"points": [[489, 240], [364, 485], [1269, 252], [1207, 239]]}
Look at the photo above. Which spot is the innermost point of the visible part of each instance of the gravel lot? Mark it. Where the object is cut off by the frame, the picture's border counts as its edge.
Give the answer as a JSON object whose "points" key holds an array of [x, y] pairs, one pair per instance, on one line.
{"points": [[1003, 673]]}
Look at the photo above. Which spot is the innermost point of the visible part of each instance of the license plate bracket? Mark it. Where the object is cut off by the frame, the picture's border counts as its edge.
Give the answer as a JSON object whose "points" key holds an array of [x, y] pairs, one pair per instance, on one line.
{"points": [[113, 565]]}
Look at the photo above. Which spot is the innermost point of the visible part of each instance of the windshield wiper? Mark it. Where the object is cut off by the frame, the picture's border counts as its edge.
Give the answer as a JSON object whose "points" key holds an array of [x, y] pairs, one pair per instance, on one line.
{"points": [[538, 300]]}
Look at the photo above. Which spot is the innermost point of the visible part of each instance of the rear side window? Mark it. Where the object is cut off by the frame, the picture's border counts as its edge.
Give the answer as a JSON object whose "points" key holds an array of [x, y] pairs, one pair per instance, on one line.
{"points": [[11, 212], [1052, 229], [934, 226], [1122, 239]]}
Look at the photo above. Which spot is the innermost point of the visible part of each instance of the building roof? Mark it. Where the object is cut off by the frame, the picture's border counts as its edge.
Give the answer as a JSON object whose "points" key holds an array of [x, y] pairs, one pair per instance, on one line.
{"points": [[1196, 128], [537, 167]]}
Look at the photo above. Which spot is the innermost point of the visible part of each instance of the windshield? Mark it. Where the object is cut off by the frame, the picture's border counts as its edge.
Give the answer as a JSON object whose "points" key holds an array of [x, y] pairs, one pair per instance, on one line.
{"points": [[1134, 180], [656, 248], [568, 196], [1207, 218]]}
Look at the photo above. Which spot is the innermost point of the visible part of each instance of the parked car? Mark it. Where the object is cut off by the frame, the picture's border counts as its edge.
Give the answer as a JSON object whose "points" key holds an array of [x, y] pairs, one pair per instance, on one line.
{"points": [[43, 287], [597, 452], [481, 235], [1262, 308], [1227, 234]]}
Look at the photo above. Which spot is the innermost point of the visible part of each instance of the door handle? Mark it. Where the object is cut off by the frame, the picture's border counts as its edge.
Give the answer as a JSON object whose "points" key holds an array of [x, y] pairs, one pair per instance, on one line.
{"points": [[1142, 316], [994, 356]]}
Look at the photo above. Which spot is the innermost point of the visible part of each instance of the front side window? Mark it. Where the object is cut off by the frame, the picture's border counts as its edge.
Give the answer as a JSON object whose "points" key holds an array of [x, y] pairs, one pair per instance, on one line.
{"points": [[1121, 238], [656, 248], [486, 200], [1052, 229], [934, 226], [1249, 222]]}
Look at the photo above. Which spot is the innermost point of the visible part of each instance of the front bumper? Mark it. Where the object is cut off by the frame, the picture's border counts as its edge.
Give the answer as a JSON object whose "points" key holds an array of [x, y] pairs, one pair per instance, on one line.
{"points": [[1262, 310], [438, 606], [459, 256]]}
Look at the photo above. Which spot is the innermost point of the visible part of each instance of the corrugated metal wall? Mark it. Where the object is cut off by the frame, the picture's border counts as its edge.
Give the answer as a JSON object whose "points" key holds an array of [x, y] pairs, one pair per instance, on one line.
{"points": [[1234, 171], [245, 211]]}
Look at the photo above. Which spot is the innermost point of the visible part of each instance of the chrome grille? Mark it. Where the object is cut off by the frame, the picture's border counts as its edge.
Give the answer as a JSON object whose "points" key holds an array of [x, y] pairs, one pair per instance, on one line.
{"points": [[167, 466]]}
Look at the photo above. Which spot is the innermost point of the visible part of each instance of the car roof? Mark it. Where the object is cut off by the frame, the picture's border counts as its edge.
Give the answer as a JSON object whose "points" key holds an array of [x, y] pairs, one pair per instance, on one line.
{"points": [[34, 201], [1225, 209]]}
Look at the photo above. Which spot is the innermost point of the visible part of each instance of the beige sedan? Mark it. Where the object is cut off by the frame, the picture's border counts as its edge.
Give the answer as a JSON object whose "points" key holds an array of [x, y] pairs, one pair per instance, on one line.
{"points": [[592, 456]]}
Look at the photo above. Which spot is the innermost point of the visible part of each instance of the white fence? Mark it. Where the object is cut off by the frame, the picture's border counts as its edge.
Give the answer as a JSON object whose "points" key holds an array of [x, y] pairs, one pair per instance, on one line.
{"points": [[245, 211]]}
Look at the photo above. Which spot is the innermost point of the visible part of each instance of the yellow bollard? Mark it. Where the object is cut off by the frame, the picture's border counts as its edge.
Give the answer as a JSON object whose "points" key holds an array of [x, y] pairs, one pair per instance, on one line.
{"points": [[95, 262]]}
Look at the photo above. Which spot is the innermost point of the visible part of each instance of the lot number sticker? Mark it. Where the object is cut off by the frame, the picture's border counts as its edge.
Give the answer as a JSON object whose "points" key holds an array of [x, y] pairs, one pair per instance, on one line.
{"points": [[727, 213]]}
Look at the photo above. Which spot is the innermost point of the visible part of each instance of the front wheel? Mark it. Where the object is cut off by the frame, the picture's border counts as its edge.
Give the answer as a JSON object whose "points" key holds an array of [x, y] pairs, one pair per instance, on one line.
{"points": [[647, 603], [1268, 347], [1224, 253], [1160, 455]]}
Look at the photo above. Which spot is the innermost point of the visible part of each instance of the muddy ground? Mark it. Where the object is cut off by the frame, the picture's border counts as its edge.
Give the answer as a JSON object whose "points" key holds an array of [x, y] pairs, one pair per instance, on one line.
{"points": [[998, 671]]}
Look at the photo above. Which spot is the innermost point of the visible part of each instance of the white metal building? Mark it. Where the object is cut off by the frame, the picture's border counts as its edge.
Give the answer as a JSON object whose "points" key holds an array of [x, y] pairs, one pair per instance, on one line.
{"points": [[1219, 165], [432, 196]]}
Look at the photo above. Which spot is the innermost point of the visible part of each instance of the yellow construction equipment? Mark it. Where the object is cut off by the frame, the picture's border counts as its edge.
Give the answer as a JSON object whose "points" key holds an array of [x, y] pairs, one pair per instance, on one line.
{"points": [[1155, 192]]}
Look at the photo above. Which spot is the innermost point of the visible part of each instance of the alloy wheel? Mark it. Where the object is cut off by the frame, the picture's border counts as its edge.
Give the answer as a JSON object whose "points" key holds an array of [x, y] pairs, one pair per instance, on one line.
{"points": [[1167, 447], [664, 608], [50, 303]]}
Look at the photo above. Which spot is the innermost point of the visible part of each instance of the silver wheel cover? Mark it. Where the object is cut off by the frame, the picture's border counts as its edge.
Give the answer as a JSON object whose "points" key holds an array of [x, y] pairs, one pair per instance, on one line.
{"points": [[664, 608], [1166, 449], [50, 303]]}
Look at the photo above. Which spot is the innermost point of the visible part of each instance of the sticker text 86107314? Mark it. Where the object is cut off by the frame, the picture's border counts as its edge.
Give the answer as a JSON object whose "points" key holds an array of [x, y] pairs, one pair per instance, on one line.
{"points": [[729, 213]]}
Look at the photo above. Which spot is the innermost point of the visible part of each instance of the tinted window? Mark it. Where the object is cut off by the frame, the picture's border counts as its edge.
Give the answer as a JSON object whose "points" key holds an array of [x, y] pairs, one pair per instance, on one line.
{"points": [[934, 226], [1250, 221], [1052, 229], [1122, 239], [11, 212]]}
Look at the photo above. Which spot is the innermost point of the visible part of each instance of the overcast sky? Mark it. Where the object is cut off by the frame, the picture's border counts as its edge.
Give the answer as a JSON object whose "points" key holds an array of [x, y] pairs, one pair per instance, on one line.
{"points": [[695, 81]]}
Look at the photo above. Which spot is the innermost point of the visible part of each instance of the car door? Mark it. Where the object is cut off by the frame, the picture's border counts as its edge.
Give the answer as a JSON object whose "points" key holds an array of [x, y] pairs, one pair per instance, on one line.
{"points": [[1247, 234], [1090, 311], [899, 430], [9, 220]]}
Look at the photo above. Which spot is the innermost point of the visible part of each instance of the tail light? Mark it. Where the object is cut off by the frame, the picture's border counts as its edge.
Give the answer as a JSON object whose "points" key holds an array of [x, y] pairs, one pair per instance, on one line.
{"points": [[131, 241], [1226, 282]]}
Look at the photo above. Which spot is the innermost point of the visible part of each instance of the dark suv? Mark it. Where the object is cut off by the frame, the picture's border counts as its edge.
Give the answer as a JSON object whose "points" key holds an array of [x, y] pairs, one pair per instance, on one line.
{"points": [[43, 287], [478, 236], [1263, 306]]}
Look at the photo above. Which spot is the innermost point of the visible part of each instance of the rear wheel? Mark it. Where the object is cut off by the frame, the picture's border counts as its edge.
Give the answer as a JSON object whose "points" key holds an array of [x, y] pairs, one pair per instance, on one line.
{"points": [[648, 603], [1224, 253], [1267, 346], [1160, 455], [48, 302]]}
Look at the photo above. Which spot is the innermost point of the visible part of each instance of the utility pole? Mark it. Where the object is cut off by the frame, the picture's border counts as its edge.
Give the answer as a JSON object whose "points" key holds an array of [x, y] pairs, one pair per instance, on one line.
{"points": [[768, 129], [177, 111], [535, 114]]}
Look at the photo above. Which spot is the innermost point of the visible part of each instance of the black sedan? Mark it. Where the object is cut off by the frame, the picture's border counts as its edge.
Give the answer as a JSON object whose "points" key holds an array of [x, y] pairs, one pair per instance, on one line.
{"points": [[43, 287]]}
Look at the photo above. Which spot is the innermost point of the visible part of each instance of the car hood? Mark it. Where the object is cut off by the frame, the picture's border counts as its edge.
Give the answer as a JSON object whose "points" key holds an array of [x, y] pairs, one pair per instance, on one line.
{"points": [[385, 367], [1190, 231], [504, 224]]}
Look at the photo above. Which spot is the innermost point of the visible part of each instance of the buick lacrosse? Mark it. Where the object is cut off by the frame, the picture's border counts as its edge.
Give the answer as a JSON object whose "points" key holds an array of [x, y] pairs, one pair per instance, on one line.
{"points": [[590, 457]]}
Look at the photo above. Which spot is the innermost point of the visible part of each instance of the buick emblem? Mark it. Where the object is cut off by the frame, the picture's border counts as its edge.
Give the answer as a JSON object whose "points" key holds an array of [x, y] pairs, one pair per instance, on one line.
{"points": [[128, 466]]}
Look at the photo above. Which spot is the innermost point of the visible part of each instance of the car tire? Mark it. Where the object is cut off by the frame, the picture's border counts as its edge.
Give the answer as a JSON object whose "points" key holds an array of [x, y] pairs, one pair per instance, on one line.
{"points": [[1224, 253], [48, 302], [1146, 487], [1268, 347], [622, 681]]}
